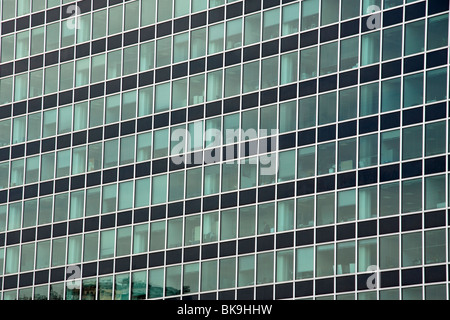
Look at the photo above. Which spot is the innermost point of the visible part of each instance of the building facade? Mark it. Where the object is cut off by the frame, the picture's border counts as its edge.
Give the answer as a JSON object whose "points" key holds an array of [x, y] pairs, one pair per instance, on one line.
{"points": [[212, 149]]}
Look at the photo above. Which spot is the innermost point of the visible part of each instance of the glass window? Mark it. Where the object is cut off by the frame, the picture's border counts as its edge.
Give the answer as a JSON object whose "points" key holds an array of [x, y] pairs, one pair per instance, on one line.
{"points": [[286, 166], [209, 275], [290, 19], [390, 146], [389, 199], [412, 143], [369, 99], [328, 57], [345, 257], [285, 265], [147, 56], [307, 113], [367, 203], [435, 192], [390, 94], [269, 67], [389, 252], [327, 108], [411, 195], [411, 249], [413, 90], [347, 154], [346, 205], [247, 216], [289, 67], [198, 43], [414, 37], [308, 63], [285, 215], [234, 34], [392, 44], [159, 195], [349, 53], [227, 273], [348, 103], [368, 150], [437, 32], [228, 224], [287, 116], [367, 254], [191, 278], [435, 246], [326, 158], [250, 77], [370, 48], [92, 202], [310, 14], [436, 85], [271, 23], [252, 28], [246, 271], [325, 209], [325, 260]]}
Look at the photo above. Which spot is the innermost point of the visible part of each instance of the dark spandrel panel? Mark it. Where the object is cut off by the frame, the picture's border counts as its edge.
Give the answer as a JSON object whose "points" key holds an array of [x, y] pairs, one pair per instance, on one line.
{"points": [[346, 231], [287, 141], [23, 23], [304, 237], [305, 187], [108, 221], [158, 212], [65, 97], [285, 240], [216, 15], [191, 254], [95, 135], [234, 10], [389, 173], [15, 194], [246, 246], [413, 64], [435, 111], [106, 267], [309, 38], [98, 4], [114, 42], [129, 82], [435, 165], [245, 294], [233, 57], [370, 74], [328, 83], [97, 90], [412, 222], [68, 53], [124, 218], [5, 112], [284, 291], [145, 124], [98, 46], [142, 169], [361, 281], [435, 219], [228, 200], [198, 20], [324, 286], [304, 288], [193, 206], [93, 179], [90, 269], [368, 125], [435, 274], [389, 279], [77, 182], [164, 29], [270, 3], [2, 239], [76, 226], [326, 183], [128, 127], [4, 153], [162, 74], [8, 27], [91, 224], [18, 151], [57, 274], [307, 88], [26, 279], [19, 108], [325, 234], [53, 15], [264, 293], [348, 78], [367, 228], [436, 6], [144, 79], [247, 197], [344, 284], [10, 282], [21, 66], [111, 131], [175, 209], [122, 264], [388, 225], [161, 120], [390, 69], [266, 194], [411, 169], [156, 259], [391, 120], [82, 50], [346, 180], [437, 58], [211, 203], [62, 185], [415, 11], [252, 6], [231, 105], [264, 243], [147, 33], [329, 33], [141, 215], [197, 66], [215, 62], [289, 43], [392, 17], [209, 251], [327, 133], [12, 237], [7, 69], [139, 262], [288, 92], [208, 296], [37, 19], [29, 235], [251, 53], [411, 276], [286, 190], [33, 148], [174, 256], [269, 96], [347, 129], [41, 277], [46, 188], [227, 295], [227, 249], [349, 28], [180, 24], [64, 141]]}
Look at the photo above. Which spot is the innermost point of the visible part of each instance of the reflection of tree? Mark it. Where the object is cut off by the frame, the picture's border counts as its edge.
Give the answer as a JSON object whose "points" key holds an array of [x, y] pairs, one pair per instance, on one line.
{"points": [[155, 291]]}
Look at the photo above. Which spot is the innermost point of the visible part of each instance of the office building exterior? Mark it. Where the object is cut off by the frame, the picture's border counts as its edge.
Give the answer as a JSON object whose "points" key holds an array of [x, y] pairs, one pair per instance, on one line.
{"points": [[224, 149]]}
